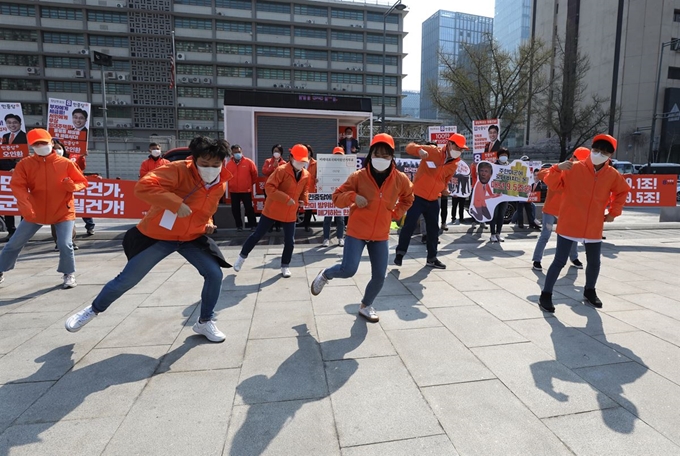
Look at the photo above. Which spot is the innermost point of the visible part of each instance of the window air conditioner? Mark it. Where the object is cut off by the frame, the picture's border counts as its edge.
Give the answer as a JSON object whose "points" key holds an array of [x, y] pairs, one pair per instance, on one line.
{"points": [[110, 75], [99, 124], [30, 70], [207, 80], [122, 77], [85, 52], [180, 56], [195, 80], [183, 79], [187, 126], [80, 73]]}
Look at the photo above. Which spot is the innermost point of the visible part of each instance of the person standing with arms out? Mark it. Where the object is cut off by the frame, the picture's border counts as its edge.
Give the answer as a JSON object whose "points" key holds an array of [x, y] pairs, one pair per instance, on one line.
{"points": [[311, 168], [43, 185], [288, 189], [339, 220], [269, 167], [241, 186], [183, 196], [551, 208], [154, 161], [348, 142], [375, 195], [434, 172], [499, 212], [587, 187]]}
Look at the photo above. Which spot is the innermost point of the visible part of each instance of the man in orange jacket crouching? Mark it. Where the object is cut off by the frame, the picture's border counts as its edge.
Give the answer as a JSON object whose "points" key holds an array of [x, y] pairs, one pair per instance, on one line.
{"points": [[43, 185]]}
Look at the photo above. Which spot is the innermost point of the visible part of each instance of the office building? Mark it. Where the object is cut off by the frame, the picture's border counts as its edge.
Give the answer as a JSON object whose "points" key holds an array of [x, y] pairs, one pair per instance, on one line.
{"points": [[445, 31], [512, 23], [305, 46], [410, 105]]}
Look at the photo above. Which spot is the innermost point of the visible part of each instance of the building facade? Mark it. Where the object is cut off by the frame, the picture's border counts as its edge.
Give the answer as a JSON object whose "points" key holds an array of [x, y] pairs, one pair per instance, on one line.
{"points": [[512, 23], [305, 46], [444, 32], [410, 105]]}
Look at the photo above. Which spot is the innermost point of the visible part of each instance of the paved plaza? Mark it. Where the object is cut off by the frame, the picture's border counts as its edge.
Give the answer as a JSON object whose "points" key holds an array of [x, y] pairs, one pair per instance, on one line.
{"points": [[462, 361]]}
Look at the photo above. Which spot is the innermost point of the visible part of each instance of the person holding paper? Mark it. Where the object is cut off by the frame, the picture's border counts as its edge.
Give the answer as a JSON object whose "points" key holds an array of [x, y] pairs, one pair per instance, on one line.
{"points": [[183, 196], [43, 185], [339, 220]]}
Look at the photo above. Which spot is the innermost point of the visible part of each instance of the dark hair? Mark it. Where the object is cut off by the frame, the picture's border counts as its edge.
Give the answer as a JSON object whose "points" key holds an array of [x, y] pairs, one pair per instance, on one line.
{"points": [[202, 146], [484, 165], [503, 151], [493, 127], [278, 147], [152, 145], [57, 142], [235, 147], [79, 111], [310, 150], [350, 129], [604, 146], [430, 143], [13, 116]]}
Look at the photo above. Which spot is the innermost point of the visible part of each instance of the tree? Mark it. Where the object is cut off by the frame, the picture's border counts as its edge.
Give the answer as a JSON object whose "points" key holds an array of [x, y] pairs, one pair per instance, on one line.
{"points": [[487, 82], [566, 110]]}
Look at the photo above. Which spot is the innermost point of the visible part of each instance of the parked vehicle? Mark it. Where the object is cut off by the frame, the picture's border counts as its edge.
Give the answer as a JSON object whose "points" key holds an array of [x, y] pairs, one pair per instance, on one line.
{"points": [[178, 153], [623, 167], [661, 168]]}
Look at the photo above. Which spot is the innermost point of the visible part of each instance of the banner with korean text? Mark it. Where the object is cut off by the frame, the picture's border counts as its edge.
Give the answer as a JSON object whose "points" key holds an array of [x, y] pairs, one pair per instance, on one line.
{"points": [[13, 143], [485, 142], [332, 171], [69, 120], [651, 190], [441, 134]]}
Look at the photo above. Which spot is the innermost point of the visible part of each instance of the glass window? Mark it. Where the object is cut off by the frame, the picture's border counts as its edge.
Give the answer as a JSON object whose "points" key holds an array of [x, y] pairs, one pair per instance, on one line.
{"points": [[19, 84], [195, 92], [310, 32], [19, 60], [117, 111], [347, 78], [354, 57], [196, 24], [111, 18], [312, 76], [67, 86], [676, 15], [673, 72], [378, 17], [235, 72], [272, 7], [195, 70], [269, 73], [234, 4], [194, 2], [120, 65], [347, 36], [389, 101], [17, 10], [112, 89], [232, 26], [377, 80], [273, 30], [375, 38], [18, 35], [33, 109], [193, 46], [378, 59], [195, 114], [307, 10], [273, 51], [238, 49], [63, 38], [354, 15], [64, 62], [108, 41], [310, 54], [61, 13], [112, 133]]}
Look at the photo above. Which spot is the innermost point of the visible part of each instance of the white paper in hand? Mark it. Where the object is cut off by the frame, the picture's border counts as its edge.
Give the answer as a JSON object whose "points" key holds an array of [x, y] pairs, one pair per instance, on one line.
{"points": [[168, 220]]}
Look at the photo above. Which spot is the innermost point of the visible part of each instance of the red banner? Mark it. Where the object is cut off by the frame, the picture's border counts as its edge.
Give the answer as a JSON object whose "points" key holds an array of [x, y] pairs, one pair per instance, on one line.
{"points": [[651, 190]]}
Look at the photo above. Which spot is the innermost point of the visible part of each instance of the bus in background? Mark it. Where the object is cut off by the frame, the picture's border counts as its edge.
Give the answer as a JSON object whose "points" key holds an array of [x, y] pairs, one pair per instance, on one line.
{"points": [[623, 167]]}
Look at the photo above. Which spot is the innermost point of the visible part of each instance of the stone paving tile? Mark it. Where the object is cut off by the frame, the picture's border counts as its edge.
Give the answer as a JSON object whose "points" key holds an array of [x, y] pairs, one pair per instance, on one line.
{"points": [[504, 305], [664, 327], [436, 445], [438, 294], [338, 300], [351, 337], [16, 398], [281, 318], [661, 304], [403, 312], [468, 281], [147, 326], [12, 338], [476, 327]]}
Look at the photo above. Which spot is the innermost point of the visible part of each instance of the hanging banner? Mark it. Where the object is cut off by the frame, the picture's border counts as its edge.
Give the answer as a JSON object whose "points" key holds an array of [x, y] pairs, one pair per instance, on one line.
{"points": [[69, 120], [441, 134], [485, 142], [460, 183], [651, 190], [332, 170], [13, 143]]}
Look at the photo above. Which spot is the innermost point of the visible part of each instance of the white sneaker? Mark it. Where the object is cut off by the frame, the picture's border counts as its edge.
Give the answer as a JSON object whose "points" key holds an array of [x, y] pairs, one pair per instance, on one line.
{"points": [[319, 282], [499, 238], [238, 264], [77, 321], [326, 243], [341, 242], [285, 272], [493, 238], [369, 313], [2, 277], [70, 281], [210, 331]]}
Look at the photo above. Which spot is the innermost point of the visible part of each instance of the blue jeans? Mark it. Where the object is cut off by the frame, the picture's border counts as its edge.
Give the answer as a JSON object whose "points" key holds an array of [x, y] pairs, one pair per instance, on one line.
{"points": [[430, 211], [351, 257], [548, 225], [89, 223], [593, 250], [25, 231], [339, 224], [263, 226], [144, 261]]}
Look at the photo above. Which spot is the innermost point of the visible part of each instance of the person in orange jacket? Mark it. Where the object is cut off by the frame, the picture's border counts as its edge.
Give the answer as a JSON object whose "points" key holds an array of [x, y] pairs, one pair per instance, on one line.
{"points": [[311, 169], [43, 185], [434, 172], [375, 195], [269, 167], [586, 188], [551, 208], [183, 196], [288, 189], [154, 161], [241, 186]]}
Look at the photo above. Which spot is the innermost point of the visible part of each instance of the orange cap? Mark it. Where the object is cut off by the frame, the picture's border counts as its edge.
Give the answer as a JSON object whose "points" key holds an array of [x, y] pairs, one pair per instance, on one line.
{"points": [[458, 140], [37, 135], [339, 150], [581, 153], [300, 153], [610, 139], [383, 138]]}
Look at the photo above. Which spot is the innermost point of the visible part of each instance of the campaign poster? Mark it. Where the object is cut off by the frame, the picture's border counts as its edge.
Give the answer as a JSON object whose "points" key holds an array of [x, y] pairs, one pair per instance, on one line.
{"points": [[332, 170], [485, 139], [441, 134], [460, 183], [69, 120], [14, 144], [651, 190], [498, 183]]}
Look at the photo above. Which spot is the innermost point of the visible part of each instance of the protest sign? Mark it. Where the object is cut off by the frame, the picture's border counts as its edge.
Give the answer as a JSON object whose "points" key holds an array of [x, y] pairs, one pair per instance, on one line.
{"points": [[441, 134], [459, 185], [69, 120], [485, 142], [13, 143], [651, 190], [498, 183], [332, 171]]}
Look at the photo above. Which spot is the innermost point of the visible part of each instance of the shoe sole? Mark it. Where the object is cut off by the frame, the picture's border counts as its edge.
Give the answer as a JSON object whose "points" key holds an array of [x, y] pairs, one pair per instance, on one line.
{"points": [[588, 303], [434, 266], [377, 319], [546, 310], [70, 286], [286, 276], [211, 340], [71, 330], [311, 287], [536, 269], [577, 267]]}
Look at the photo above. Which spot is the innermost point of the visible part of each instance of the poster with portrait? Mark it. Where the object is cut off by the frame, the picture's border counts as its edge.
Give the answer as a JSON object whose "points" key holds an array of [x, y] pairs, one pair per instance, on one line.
{"points": [[13, 142], [441, 134], [69, 120], [498, 183], [485, 139], [460, 184]]}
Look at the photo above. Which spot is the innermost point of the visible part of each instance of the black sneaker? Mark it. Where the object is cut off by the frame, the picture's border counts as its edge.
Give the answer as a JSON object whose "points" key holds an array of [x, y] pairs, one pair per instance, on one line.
{"points": [[577, 264], [545, 302], [590, 297], [537, 266], [398, 259], [423, 239], [435, 264]]}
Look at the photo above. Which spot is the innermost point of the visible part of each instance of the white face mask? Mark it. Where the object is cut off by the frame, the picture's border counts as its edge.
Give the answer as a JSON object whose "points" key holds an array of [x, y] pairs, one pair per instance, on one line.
{"points": [[454, 153], [43, 150], [598, 158], [349, 136], [155, 152], [208, 173], [277, 155], [503, 159], [298, 165], [380, 164], [59, 152]]}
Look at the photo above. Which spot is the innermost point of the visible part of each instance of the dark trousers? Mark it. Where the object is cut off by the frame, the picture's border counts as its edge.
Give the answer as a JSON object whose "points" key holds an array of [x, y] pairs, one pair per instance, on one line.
{"points": [[593, 250], [247, 200], [262, 227], [9, 223], [457, 202], [430, 212], [498, 217], [530, 211], [444, 208], [308, 218], [89, 223]]}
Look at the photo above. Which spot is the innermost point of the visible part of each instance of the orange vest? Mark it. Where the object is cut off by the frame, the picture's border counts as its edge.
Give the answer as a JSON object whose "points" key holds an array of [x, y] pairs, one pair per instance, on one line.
{"points": [[433, 173], [150, 164], [281, 187]]}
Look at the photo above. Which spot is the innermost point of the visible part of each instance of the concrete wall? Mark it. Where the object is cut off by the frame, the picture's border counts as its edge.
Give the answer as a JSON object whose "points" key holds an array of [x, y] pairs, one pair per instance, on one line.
{"points": [[124, 164]]}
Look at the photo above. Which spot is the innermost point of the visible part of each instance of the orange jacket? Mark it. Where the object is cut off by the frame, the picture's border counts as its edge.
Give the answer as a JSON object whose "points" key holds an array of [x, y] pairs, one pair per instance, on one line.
{"points": [[151, 164], [386, 203], [169, 187], [434, 172], [281, 187], [79, 160], [553, 199], [311, 168], [585, 194], [270, 165], [44, 186], [245, 175]]}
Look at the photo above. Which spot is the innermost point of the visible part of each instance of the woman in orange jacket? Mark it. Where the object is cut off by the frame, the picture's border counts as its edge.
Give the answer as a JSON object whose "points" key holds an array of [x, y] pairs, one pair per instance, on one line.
{"points": [[287, 187], [587, 187], [269, 167], [43, 185], [183, 196], [375, 195]]}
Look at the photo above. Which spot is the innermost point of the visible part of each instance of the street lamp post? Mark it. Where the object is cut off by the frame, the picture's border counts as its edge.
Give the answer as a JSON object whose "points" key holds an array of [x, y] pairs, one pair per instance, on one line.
{"points": [[656, 98], [400, 7]]}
